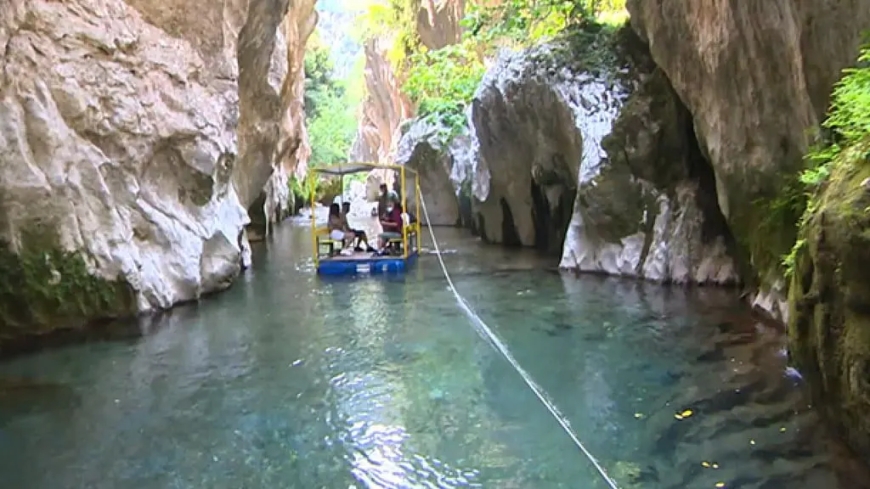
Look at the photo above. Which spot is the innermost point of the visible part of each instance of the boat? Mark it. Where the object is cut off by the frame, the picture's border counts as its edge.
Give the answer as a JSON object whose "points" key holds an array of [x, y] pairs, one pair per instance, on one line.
{"points": [[331, 257]]}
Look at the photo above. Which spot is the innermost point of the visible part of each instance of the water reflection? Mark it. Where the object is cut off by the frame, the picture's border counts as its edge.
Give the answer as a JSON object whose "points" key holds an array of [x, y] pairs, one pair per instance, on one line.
{"points": [[292, 381]]}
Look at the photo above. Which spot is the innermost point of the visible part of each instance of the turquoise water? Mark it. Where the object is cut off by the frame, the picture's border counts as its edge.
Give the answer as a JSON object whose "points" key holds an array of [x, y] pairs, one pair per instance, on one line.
{"points": [[291, 381]]}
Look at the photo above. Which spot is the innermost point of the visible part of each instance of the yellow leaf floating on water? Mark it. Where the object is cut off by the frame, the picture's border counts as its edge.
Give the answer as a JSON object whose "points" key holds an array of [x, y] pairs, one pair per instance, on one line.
{"points": [[720, 484], [705, 464], [683, 415], [638, 415], [782, 430]]}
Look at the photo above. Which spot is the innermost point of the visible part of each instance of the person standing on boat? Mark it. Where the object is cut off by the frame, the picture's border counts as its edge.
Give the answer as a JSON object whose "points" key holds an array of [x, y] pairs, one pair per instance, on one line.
{"points": [[359, 234]]}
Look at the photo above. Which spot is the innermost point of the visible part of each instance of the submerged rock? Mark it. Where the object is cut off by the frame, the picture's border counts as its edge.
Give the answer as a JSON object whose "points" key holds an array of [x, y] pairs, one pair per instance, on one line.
{"points": [[123, 185]]}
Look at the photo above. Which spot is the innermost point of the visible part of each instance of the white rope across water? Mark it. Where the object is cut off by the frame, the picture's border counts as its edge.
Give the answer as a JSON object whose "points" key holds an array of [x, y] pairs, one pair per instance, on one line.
{"points": [[487, 333]]}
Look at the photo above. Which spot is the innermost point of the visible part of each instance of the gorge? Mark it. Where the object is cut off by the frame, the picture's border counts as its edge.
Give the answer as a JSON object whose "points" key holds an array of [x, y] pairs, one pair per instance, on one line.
{"points": [[139, 140]]}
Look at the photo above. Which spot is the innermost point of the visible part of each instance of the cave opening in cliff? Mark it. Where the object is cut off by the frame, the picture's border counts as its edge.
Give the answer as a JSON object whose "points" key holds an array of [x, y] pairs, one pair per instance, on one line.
{"points": [[715, 224], [550, 225], [509, 233]]}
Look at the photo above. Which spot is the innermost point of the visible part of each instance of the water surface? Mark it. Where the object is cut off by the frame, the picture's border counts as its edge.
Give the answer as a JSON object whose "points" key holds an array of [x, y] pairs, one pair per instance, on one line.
{"points": [[292, 381]]}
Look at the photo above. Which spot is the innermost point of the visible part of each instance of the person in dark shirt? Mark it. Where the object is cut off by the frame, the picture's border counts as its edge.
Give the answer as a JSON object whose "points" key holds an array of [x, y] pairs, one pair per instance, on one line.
{"points": [[359, 234], [391, 222]]}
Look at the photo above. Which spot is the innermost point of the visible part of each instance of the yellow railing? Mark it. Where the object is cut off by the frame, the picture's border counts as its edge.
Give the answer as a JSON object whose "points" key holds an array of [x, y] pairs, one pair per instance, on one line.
{"points": [[349, 168]]}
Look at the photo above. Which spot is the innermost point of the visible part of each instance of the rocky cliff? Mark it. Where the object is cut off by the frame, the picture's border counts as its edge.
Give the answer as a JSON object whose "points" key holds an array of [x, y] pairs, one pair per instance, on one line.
{"points": [[133, 135], [580, 148], [385, 107], [443, 163], [756, 78], [284, 124], [829, 327], [383, 110], [438, 22]]}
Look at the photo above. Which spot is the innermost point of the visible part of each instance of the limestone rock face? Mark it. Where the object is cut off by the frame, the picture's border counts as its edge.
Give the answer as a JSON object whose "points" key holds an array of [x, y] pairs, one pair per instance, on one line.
{"points": [[528, 149], [133, 135], [829, 319], [596, 162], [384, 108], [278, 132], [438, 22], [444, 164], [756, 77], [650, 211]]}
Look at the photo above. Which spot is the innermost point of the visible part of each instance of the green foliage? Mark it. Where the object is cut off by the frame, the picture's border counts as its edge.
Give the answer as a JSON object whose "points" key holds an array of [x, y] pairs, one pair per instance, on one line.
{"points": [[331, 132], [442, 83], [330, 113], [775, 230], [320, 84], [47, 288], [848, 120], [395, 20], [850, 107], [847, 127], [525, 22]]}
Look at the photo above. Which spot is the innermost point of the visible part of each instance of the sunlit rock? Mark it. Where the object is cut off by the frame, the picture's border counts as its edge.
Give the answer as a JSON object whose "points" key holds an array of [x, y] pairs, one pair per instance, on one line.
{"points": [[443, 162], [582, 149], [383, 110], [132, 137], [439, 22]]}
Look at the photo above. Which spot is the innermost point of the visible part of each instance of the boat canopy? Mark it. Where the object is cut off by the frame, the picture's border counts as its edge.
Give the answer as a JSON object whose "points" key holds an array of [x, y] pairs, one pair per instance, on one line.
{"points": [[351, 168], [329, 262]]}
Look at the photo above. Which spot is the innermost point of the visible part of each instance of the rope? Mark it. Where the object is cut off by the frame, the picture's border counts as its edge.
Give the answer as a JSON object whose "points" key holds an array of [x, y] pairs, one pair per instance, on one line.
{"points": [[487, 333]]}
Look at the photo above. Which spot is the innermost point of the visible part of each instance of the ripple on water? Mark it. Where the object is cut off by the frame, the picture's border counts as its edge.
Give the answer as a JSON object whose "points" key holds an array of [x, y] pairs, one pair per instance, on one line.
{"points": [[291, 381]]}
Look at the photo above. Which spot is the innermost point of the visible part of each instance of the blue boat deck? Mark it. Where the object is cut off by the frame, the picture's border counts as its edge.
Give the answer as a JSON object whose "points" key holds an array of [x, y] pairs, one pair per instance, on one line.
{"points": [[364, 262]]}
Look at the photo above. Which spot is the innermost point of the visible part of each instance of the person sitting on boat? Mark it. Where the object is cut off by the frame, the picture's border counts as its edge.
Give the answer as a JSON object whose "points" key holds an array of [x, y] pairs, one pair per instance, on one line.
{"points": [[360, 235], [336, 227], [386, 196], [391, 222]]}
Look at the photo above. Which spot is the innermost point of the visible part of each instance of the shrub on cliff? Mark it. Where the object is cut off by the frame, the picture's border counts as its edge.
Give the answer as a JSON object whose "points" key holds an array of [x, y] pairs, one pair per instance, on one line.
{"points": [[847, 135], [442, 82]]}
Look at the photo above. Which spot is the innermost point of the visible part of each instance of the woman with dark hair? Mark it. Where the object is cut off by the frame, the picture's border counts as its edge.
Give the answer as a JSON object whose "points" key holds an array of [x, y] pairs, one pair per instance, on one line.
{"points": [[335, 225], [360, 235]]}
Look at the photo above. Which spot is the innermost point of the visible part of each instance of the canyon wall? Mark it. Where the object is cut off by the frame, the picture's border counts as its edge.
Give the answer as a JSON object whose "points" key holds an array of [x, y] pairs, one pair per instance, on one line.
{"points": [[756, 77], [385, 107], [583, 150], [133, 135]]}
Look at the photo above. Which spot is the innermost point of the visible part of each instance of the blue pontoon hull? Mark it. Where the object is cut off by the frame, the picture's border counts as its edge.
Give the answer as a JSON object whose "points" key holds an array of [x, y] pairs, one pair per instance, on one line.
{"points": [[365, 265]]}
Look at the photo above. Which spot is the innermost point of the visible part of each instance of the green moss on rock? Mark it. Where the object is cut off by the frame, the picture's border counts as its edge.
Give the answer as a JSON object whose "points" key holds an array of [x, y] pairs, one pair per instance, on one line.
{"points": [[829, 297], [767, 229], [45, 288]]}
